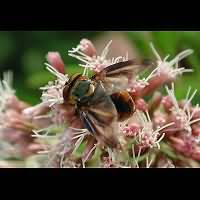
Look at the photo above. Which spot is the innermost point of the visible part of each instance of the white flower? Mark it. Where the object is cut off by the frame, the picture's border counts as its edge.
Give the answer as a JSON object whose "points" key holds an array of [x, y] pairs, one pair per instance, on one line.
{"points": [[147, 136], [96, 62], [167, 67], [183, 115], [80, 134], [6, 90], [53, 92]]}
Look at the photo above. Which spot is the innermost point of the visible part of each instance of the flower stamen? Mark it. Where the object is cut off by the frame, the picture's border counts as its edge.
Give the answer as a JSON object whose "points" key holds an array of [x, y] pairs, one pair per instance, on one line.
{"points": [[166, 67]]}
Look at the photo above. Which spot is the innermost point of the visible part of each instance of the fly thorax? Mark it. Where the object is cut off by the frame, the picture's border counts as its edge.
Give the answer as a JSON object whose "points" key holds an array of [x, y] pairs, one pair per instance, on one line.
{"points": [[82, 90]]}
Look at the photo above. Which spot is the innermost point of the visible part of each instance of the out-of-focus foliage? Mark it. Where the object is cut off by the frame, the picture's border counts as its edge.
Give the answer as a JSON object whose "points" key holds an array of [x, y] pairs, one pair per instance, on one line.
{"points": [[24, 53]]}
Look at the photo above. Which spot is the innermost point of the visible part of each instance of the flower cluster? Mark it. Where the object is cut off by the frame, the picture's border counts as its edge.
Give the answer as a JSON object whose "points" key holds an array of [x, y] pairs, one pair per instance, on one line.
{"points": [[15, 128], [162, 131]]}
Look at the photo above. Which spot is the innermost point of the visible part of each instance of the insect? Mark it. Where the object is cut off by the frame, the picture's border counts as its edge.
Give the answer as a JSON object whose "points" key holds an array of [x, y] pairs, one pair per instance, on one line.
{"points": [[102, 100]]}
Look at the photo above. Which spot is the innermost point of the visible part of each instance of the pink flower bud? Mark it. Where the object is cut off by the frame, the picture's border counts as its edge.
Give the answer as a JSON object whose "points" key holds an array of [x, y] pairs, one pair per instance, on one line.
{"points": [[136, 87], [13, 119], [12, 135], [154, 83], [159, 119], [167, 103], [196, 112], [56, 61], [37, 110], [141, 105], [196, 130], [131, 130], [38, 115], [15, 104], [180, 122], [87, 47], [187, 146], [21, 141]]}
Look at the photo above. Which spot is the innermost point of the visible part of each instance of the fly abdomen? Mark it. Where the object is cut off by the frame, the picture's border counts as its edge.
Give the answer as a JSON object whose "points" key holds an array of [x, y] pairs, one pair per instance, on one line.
{"points": [[124, 104]]}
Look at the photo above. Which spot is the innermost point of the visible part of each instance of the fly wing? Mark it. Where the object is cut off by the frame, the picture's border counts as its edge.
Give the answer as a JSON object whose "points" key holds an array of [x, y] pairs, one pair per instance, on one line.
{"points": [[105, 133], [100, 118], [117, 77]]}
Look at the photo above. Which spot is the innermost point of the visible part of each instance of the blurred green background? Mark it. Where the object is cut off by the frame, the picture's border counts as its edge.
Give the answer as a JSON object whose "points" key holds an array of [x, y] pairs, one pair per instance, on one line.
{"points": [[24, 53]]}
